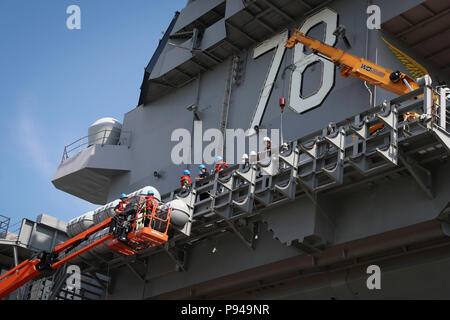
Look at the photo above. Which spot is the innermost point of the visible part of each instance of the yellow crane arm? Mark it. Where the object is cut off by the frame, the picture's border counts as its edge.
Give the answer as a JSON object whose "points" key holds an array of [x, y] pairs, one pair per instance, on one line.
{"points": [[350, 65]]}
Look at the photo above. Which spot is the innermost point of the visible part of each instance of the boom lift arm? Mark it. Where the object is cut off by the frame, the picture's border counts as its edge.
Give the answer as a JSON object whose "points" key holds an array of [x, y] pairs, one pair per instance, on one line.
{"points": [[350, 65], [45, 261], [147, 230]]}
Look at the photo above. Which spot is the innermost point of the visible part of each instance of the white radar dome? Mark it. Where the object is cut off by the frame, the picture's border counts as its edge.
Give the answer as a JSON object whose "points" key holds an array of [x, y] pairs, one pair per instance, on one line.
{"points": [[104, 131]]}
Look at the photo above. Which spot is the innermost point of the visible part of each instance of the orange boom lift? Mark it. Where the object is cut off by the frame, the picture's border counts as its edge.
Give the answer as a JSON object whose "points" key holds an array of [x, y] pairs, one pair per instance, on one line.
{"points": [[350, 65], [146, 230]]}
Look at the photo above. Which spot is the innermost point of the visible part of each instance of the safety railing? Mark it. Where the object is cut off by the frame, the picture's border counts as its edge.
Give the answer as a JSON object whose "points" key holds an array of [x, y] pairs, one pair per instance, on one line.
{"points": [[317, 161], [157, 219], [101, 138], [4, 226], [441, 112]]}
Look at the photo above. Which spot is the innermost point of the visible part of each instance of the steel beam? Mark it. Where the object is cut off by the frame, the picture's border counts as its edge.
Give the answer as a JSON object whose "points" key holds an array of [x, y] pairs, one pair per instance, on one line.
{"points": [[200, 65], [302, 248], [241, 32], [280, 12], [179, 256], [263, 12], [406, 20], [100, 282], [16, 256], [256, 18], [235, 47], [240, 233], [436, 53], [133, 270], [313, 198], [59, 279], [431, 12], [210, 56], [305, 4], [422, 23], [421, 41], [421, 175], [184, 73], [163, 83]]}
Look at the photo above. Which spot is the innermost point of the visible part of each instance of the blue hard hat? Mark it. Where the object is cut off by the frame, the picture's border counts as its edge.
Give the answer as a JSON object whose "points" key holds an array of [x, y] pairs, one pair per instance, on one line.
{"points": [[218, 158], [123, 195], [186, 172], [202, 166], [150, 193]]}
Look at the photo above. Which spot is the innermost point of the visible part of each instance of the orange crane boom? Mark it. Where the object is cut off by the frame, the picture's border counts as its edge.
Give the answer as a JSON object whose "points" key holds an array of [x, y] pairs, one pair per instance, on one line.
{"points": [[350, 65]]}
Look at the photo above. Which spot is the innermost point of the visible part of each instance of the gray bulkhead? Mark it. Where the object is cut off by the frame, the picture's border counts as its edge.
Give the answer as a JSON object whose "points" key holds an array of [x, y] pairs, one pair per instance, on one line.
{"points": [[350, 214]]}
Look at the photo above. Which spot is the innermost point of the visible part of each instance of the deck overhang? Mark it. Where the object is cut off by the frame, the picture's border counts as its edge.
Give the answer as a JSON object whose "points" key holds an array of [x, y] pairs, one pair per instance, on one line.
{"points": [[88, 174]]}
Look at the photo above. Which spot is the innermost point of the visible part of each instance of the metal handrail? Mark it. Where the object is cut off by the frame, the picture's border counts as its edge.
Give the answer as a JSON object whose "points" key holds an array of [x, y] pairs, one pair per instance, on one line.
{"points": [[80, 143], [4, 226], [441, 112]]}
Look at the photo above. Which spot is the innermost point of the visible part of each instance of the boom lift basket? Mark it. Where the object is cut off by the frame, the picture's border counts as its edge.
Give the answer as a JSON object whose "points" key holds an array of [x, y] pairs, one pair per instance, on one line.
{"points": [[148, 230]]}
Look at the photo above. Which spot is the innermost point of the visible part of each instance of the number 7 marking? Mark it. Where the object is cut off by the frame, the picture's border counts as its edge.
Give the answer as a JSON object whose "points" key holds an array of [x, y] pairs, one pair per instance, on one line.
{"points": [[278, 41]]}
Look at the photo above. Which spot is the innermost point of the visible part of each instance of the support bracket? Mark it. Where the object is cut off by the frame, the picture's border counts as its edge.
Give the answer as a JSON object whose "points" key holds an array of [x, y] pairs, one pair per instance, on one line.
{"points": [[443, 137], [390, 120], [312, 151], [338, 141], [179, 256], [419, 173], [227, 183], [134, 271], [361, 130], [249, 176], [247, 234], [291, 160], [100, 282]]}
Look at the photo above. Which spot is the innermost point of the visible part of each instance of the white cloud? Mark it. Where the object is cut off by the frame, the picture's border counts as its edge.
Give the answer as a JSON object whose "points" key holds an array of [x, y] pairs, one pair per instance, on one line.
{"points": [[35, 149]]}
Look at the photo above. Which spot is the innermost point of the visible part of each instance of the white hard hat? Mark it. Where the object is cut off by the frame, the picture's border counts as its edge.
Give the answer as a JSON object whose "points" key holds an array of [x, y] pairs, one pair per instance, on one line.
{"points": [[253, 153], [245, 156], [266, 139]]}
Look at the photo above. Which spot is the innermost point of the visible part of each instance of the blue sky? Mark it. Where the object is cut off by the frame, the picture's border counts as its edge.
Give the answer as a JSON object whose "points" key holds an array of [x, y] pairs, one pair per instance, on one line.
{"points": [[56, 82]]}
